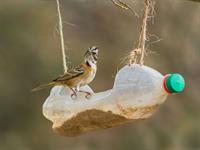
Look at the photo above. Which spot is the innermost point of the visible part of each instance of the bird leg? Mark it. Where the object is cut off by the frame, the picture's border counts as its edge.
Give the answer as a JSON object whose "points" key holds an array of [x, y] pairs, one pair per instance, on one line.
{"points": [[74, 94], [88, 94], [76, 90]]}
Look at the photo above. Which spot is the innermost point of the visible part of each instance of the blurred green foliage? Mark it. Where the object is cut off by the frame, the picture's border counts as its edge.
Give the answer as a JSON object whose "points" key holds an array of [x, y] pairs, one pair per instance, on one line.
{"points": [[30, 55]]}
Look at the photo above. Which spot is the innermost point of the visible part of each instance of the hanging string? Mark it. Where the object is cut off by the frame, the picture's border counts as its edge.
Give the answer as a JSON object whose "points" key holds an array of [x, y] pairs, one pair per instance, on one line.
{"points": [[137, 54], [62, 37]]}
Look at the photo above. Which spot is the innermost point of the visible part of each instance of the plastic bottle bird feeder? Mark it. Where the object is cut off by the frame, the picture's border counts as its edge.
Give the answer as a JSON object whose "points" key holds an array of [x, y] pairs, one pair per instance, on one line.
{"points": [[137, 93]]}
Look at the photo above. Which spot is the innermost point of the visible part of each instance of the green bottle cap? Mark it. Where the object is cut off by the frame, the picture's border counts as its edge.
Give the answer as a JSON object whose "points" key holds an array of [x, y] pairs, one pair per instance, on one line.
{"points": [[175, 83]]}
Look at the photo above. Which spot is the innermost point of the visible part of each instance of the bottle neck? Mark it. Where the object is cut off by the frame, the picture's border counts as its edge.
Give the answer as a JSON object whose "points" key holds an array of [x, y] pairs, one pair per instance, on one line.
{"points": [[165, 84]]}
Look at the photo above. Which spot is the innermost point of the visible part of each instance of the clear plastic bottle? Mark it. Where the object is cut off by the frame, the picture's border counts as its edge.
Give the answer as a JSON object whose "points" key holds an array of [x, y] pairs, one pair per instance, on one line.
{"points": [[137, 93]]}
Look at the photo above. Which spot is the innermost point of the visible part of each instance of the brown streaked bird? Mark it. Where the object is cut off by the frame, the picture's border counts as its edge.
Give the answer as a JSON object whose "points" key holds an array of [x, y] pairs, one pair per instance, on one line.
{"points": [[79, 76]]}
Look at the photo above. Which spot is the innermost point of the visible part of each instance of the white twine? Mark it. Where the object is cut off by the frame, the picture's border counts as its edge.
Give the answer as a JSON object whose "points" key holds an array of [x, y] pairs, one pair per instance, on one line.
{"points": [[62, 37]]}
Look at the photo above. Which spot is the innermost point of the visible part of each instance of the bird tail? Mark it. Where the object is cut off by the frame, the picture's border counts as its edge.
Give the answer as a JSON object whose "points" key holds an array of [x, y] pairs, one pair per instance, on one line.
{"points": [[43, 86]]}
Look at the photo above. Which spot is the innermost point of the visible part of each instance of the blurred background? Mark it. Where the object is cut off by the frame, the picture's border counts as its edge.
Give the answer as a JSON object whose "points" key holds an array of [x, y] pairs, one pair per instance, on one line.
{"points": [[30, 55]]}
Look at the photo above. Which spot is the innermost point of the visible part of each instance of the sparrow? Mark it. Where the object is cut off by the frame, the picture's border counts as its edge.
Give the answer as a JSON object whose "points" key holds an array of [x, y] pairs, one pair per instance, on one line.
{"points": [[78, 76]]}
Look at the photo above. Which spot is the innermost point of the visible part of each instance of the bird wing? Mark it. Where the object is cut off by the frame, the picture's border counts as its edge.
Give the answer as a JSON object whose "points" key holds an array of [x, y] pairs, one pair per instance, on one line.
{"points": [[77, 71]]}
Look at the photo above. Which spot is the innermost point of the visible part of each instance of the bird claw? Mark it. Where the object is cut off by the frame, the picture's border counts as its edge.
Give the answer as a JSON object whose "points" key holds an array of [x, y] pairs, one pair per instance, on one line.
{"points": [[88, 95], [74, 96]]}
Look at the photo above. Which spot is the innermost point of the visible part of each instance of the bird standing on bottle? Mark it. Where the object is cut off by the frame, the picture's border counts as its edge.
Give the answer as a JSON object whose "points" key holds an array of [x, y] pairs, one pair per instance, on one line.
{"points": [[78, 76]]}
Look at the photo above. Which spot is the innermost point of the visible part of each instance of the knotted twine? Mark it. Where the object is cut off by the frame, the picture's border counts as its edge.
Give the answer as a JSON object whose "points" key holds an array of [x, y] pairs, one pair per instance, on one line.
{"points": [[138, 53]]}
